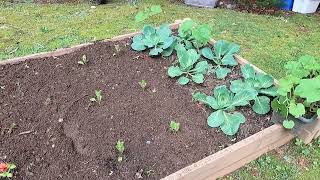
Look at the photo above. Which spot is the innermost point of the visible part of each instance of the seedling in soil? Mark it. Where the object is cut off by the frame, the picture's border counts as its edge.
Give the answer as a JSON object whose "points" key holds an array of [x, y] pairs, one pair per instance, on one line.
{"points": [[174, 126], [98, 97], [143, 84], [2, 87], [6, 170], [83, 60], [120, 148]]}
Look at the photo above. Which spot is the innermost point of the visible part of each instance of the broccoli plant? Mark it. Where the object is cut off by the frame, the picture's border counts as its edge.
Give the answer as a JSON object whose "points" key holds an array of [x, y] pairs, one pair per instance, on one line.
{"points": [[223, 56], [98, 97], [224, 102], [120, 149], [299, 91], [262, 84], [194, 35], [188, 67], [159, 41]]}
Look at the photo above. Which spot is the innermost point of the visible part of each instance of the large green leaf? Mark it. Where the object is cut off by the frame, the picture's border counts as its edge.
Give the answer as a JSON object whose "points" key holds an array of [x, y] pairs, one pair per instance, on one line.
{"points": [[174, 71], [222, 72], [261, 105], [286, 84], [155, 9], [223, 96], [212, 102], [216, 119], [155, 51], [185, 28], [309, 89], [167, 42], [199, 96], [141, 16], [242, 98], [232, 123], [187, 58], [265, 81], [202, 33], [288, 124], [272, 91], [248, 71], [148, 30], [295, 68], [296, 110], [239, 85], [309, 63], [183, 80], [138, 44], [207, 53], [198, 78], [229, 60], [201, 67], [164, 30]]}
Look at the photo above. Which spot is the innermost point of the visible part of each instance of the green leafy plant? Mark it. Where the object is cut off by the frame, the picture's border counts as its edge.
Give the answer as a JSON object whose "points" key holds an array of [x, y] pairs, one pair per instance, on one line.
{"points": [[120, 147], [83, 60], [193, 35], [224, 103], [98, 97], [143, 84], [174, 126], [147, 13], [159, 41], [188, 67], [261, 84], [222, 55], [299, 91], [6, 170]]}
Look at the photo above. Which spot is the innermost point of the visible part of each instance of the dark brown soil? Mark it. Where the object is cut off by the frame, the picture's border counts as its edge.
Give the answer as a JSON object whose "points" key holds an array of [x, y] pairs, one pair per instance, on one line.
{"points": [[60, 134]]}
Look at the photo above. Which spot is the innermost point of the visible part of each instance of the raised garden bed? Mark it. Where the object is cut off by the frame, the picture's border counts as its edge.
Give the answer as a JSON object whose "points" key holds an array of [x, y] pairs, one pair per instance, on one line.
{"points": [[50, 129]]}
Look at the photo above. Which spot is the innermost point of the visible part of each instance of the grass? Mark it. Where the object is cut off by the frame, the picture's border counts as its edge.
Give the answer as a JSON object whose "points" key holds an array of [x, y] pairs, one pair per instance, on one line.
{"points": [[267, 41]]}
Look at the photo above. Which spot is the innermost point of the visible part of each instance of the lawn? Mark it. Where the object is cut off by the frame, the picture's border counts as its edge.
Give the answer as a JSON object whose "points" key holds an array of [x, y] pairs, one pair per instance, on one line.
{"points": [[266, 41]]}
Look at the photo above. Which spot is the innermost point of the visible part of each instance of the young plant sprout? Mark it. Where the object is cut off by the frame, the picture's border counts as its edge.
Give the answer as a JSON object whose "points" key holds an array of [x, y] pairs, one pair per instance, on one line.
{"points": [[6, 170], [83, 60], [98, 97], [143, 84], [120, 148], [174, 126]]}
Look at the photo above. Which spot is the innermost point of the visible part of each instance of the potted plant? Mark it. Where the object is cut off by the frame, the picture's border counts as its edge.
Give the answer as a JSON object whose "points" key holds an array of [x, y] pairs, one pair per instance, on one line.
{"points": [[201, 3], [299, 92]]}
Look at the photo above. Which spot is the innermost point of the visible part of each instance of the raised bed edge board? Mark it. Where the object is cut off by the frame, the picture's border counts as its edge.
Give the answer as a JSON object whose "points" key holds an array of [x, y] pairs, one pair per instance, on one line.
{"points": [[222, 162]]}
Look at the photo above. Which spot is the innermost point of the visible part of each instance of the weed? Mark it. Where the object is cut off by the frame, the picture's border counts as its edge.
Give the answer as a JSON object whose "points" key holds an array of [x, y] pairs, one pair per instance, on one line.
{"points": [[84, 60], [97, 98], [143, 84], [120, 149], [174, 126]]}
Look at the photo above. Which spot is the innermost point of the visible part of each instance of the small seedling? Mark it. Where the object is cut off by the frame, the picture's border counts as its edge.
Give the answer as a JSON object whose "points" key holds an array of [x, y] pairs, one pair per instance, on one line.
{"points": [[6, 170], [143, 84], [120, 148], [98, 97], [2, 87], [174, 126], [83, 60]]}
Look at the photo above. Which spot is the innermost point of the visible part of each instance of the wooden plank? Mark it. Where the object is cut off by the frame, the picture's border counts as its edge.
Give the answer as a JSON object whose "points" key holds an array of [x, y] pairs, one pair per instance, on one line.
{"points": [[235, 156]]}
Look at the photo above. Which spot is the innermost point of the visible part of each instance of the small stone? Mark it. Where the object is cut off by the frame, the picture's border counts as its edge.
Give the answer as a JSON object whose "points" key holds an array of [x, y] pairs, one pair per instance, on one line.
{"points": [[148, 142], [93, 7], [53, 145], [60, 120]]}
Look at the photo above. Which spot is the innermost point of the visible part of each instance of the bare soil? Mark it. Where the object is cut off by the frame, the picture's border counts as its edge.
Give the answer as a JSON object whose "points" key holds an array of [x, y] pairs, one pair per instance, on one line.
{"points": [[51, 130]]}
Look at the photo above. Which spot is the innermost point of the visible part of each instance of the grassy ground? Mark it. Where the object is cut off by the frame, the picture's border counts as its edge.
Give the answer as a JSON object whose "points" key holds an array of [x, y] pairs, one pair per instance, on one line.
{"points": [[267, 41]]}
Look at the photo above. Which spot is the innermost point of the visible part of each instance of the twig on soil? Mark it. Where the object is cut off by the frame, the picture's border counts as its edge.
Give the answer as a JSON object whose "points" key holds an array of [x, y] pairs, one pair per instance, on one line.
{"points": [[25, 132]]}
